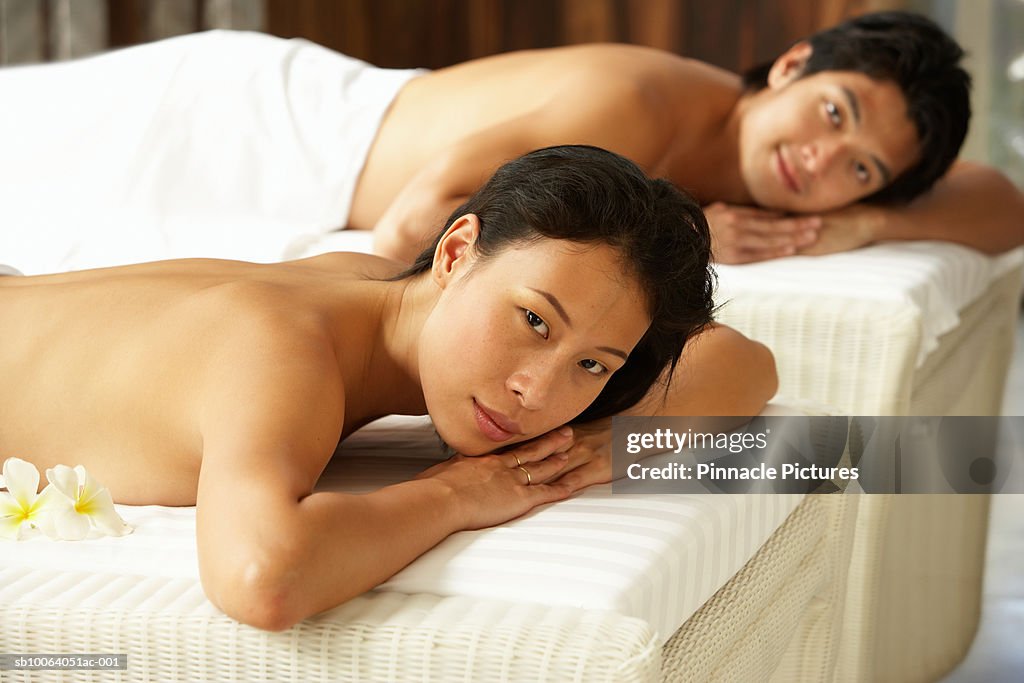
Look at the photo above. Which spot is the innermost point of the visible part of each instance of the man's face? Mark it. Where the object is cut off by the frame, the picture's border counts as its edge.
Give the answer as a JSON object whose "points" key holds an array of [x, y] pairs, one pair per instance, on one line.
{"points": [[824, 141]]}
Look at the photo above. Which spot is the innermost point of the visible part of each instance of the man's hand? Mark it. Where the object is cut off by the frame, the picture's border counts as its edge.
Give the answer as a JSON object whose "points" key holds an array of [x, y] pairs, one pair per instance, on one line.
{"points": [[844, 229], [745, 234]]}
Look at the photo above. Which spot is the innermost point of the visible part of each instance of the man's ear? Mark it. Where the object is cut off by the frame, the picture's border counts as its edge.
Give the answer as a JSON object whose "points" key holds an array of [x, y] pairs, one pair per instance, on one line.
{"points": [[790, 65], [454, 253]]}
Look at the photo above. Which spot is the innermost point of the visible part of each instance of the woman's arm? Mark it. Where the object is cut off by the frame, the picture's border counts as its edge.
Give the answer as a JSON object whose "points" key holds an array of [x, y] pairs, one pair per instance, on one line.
{"points": [[271, 551], [721, 374]]}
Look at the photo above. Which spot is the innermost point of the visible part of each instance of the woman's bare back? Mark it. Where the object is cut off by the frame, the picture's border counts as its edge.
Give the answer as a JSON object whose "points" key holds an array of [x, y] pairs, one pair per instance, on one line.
{"points": [[105, 368]]}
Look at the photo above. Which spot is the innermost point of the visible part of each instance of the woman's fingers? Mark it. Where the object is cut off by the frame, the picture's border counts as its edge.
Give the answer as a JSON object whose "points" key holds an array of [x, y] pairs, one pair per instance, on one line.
{"points": [[555, 441], [576, 458], [549, 493], [583, 476], [540, 471]]}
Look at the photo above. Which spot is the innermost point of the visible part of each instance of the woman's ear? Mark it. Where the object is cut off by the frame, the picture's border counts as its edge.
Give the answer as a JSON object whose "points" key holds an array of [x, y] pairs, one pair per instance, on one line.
{"points": [[454, 253], [790, 65]]}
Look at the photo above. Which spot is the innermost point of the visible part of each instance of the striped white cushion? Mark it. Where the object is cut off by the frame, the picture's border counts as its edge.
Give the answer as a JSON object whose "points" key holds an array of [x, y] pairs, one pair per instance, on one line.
{"points": [[939, 279], [656, 557]]}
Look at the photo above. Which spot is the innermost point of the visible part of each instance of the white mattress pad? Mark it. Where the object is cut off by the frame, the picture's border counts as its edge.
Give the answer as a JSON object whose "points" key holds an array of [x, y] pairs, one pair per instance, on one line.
{"points": [[938, 279], [656, 557]]}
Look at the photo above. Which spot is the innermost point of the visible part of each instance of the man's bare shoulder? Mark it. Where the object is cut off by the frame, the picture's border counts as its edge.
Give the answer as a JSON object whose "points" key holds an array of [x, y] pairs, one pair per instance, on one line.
{"points": [[648, 104], [655, 86], [648, 65]]}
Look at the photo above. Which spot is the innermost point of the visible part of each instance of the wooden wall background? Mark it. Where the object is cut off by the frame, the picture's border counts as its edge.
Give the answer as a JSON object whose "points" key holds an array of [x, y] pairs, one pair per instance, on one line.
{"points": [[734, 34]]}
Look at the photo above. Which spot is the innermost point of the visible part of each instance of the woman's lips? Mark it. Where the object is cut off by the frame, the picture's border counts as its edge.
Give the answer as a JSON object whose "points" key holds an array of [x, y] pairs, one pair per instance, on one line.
{"points": [[494, 426], [785, 172]]}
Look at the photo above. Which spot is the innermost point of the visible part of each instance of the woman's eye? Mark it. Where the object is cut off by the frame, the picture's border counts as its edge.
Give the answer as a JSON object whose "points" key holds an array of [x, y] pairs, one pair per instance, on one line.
{"points": [[863, 173], [832, 111], [537, 323], [593, 367]]}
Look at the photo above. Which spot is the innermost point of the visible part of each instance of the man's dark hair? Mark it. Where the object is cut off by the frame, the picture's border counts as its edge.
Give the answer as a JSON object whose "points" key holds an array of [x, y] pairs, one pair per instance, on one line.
{"points": [[923, 61], [591, 196]]}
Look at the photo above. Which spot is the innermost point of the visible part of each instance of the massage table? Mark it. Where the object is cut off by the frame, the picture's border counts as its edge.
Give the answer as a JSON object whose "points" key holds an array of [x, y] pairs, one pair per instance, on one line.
{"points": [[602, 587]]}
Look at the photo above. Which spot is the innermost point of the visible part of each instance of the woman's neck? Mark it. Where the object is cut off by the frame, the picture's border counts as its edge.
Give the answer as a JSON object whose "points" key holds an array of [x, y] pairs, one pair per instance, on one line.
{"points": [[384, 377]]}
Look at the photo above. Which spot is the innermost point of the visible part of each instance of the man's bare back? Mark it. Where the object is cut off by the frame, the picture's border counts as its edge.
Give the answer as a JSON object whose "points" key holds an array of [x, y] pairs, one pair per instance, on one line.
{"points": [[673, 109], [114, 369]]}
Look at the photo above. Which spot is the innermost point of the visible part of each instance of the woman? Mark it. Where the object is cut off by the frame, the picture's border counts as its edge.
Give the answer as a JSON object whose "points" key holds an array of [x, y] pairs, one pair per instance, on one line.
{"points": [[559, 292]]}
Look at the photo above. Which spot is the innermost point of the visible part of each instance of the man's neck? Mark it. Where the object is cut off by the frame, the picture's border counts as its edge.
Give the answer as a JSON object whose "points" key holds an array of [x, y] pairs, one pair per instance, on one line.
{"points": [[725, 178], [706, 153]]}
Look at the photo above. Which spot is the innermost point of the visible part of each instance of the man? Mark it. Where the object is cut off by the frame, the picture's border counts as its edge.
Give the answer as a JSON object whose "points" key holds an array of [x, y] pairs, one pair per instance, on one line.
{"points": [[241, 145], [843, 117]]}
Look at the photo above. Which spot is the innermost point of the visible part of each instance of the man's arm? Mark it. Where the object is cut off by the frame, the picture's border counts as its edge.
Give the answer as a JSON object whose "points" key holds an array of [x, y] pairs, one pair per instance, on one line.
{"points": [[618, 116], [973, 205]]}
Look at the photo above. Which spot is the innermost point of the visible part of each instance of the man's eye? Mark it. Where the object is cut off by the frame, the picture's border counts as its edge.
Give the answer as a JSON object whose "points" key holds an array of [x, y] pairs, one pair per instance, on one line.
{"points": [[536, 322], [833, 113], [593, 367], [863, 173]]}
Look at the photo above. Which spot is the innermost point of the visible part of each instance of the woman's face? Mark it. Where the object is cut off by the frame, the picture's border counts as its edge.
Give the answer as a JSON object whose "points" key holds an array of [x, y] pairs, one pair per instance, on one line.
{"points": [[522, 343], [823, 141]]}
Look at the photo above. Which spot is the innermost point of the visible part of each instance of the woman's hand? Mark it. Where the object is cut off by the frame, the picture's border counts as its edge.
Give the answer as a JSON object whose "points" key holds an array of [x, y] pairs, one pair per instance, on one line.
{"points": [[590, 456], [491, 489]]}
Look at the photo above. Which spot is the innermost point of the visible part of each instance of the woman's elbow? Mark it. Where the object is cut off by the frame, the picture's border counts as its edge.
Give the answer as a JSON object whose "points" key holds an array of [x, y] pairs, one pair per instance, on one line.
{"points": [[760, 379], [256, 594], [767, 374]]}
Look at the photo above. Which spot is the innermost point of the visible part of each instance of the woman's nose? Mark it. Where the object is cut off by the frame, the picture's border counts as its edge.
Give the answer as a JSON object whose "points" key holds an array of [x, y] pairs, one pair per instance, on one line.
{"points": [[532, 385]]}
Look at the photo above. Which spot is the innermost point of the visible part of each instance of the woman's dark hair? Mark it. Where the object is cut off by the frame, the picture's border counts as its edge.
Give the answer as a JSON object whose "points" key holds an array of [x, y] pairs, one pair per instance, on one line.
{"points": [[591, 196], [912, 51]]}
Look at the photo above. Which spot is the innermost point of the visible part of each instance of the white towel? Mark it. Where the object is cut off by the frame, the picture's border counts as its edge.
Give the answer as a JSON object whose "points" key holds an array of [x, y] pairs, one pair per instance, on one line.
{"points": [[220, 144]]}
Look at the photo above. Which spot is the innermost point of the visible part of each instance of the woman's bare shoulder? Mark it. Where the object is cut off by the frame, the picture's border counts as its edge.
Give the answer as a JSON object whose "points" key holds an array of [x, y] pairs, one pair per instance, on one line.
{"points": [[359, 266], [272, 390]]}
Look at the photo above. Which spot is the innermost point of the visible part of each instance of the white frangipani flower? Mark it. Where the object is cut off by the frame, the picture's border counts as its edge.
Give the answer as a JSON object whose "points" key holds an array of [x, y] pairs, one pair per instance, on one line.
{"points": [[91, 505], [21, 506]]}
